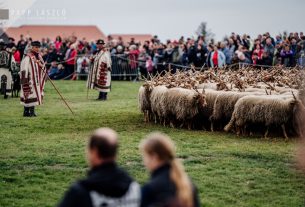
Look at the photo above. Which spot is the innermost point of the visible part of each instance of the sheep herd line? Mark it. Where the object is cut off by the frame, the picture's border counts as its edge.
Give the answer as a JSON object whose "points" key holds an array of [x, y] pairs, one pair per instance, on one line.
{"points": [[246, 101]]}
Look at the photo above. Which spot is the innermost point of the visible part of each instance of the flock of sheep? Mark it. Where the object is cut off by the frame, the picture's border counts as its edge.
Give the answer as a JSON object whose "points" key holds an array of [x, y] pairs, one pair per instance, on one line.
{"points": [[245, 101]]}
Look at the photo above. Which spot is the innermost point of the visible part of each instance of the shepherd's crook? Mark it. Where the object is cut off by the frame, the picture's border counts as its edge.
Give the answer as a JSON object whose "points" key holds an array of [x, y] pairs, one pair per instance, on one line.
{"points": [[62, 98]]}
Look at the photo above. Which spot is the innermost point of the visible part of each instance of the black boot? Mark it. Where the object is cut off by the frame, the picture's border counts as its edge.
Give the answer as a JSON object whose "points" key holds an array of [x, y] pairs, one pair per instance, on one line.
{"points": [[26, 112], [100, 96], [32, 111], [105, 96]]}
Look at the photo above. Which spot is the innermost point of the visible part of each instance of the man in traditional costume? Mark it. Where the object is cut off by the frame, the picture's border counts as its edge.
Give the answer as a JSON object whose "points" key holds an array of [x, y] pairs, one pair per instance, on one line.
{"points": [[100, 73], [32, 78], [6, 66]]}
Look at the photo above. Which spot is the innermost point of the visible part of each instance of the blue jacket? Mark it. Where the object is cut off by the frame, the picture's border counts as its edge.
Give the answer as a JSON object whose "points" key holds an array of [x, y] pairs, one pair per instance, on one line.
{"points": [[221, 59]]}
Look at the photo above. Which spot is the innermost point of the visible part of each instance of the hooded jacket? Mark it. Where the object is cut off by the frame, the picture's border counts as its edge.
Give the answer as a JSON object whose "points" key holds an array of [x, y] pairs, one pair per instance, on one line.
{"points": [[106, 180]]}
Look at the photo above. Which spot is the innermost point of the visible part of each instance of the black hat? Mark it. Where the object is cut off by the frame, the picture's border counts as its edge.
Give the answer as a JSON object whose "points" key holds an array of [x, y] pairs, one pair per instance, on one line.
{"points": [[12, 39], [36, 44], [2, 43], [100, 41]]}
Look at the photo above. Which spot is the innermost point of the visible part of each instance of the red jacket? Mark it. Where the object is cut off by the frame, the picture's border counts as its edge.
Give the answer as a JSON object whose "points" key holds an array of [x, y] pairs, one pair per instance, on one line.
{"points": [[72, 57], [133, 56], [17, 56]]}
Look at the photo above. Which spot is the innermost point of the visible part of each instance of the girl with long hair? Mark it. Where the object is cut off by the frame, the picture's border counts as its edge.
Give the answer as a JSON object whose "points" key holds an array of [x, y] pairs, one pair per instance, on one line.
{"points": [[169, 184]]}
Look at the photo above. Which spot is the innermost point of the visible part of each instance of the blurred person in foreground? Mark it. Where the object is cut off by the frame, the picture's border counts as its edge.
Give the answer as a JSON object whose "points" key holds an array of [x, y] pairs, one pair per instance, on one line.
{"points": [[169, 184], [106, 183]]}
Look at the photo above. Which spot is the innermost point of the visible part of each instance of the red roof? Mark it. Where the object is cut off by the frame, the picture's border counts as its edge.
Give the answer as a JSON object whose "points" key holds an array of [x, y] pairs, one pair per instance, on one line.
{"points": [[37, 32], [138, 37]]}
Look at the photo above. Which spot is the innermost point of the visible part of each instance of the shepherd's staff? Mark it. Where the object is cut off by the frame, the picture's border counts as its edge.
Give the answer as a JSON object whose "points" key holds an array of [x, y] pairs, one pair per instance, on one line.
{"points": [[62, 98], [89, 79]]}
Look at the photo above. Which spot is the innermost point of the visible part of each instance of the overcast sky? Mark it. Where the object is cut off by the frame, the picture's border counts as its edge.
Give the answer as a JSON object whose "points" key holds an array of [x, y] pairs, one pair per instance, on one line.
{"points": [[168, 18]]}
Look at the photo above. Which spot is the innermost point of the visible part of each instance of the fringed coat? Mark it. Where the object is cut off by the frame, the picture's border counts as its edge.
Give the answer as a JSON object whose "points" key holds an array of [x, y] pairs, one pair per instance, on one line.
{"points": [[100, 73], [7, 64], [32, 77]]}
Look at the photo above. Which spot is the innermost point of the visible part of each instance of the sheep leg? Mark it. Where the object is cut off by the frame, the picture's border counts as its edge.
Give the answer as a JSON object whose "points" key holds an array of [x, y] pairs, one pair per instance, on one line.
{"points": [[284, 132], [245, 130], [150, 117], [212, 127], [266, 133], [237, 130], [189, 125], [171, 124], [203, 128]]}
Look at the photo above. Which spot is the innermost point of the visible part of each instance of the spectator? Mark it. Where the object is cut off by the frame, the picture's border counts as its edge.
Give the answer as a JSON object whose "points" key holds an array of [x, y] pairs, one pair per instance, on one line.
{"points": [[11, 42], [82, 69], [133, 57], [218, 59], [176, 56], [184, 57], [106, 184], [257, 53], [27, 46], [16, 55], [61, 73], [278, 40], [208, 59], [169, 185], [287, 56], [58, 43], [158, 59], [191, 52], [226, 51], [200, 56], [269, 47], [266, 60], [53, 70], [168, 53], [149, 66], [142, 63], [70, 61]]}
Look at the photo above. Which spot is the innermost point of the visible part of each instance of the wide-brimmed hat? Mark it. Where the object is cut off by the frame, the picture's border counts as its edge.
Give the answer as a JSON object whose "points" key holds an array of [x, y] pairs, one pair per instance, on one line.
{"points": [[35, 44], [100, 41]]}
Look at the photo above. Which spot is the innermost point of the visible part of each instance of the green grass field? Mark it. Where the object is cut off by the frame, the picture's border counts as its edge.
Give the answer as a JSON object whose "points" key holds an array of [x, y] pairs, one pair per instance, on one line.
{"points": [[40, 157]]}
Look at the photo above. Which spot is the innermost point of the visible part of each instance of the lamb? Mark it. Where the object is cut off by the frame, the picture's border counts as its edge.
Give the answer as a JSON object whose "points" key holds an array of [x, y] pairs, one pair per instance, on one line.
{"points": [[183, 105], [144, 101], [267, 110]]}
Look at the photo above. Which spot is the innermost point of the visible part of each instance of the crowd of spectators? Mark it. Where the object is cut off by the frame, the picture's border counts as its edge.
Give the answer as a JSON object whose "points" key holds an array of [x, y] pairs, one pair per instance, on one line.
{"points": [[66, 56]]}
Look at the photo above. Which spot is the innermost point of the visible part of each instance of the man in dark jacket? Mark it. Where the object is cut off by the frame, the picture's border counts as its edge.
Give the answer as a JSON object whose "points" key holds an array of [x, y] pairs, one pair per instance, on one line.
{"points": [[106, 184]]}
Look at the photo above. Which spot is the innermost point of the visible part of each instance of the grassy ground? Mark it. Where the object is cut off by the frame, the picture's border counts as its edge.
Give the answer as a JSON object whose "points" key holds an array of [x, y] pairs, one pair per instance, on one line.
{"points": [[41, 157]]}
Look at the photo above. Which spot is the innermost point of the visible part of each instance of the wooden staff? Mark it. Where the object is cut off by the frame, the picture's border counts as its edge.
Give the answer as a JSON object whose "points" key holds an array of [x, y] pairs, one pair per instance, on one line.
{"points": [[52, 83]]}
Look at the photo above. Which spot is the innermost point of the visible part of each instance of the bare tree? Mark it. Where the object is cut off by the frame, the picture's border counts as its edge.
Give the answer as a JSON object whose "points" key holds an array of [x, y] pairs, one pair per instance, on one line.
{"points": [[202, 30]]}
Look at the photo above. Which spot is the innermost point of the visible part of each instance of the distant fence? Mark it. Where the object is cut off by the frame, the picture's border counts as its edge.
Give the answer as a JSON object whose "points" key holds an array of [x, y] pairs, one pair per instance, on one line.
{"points": [[126, 68]]}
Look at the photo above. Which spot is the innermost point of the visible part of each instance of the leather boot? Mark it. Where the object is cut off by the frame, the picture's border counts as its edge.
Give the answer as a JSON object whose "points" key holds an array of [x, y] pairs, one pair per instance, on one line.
{"points": [[26, 112], [32, 111], [100, 96]]}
